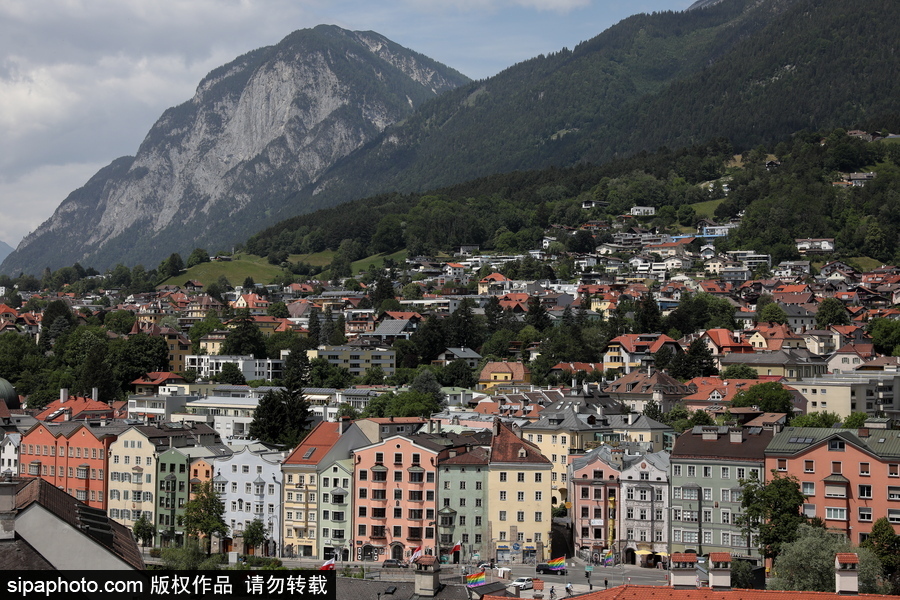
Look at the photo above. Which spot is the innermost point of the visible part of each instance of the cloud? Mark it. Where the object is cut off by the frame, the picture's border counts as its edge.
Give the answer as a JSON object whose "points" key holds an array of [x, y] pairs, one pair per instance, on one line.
{"points": [[28, 200]]}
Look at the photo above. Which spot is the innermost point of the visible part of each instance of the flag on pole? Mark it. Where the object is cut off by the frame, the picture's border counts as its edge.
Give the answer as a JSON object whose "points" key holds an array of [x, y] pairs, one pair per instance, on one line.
{"points": [[416, 554], [328, 565], [608, 557], [457, 547], [475, 579], [557, 563]]}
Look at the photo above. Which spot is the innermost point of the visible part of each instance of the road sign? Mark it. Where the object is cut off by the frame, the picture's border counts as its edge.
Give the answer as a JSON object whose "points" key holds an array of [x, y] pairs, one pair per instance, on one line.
{"points": [[588, 568], [517, 547]]}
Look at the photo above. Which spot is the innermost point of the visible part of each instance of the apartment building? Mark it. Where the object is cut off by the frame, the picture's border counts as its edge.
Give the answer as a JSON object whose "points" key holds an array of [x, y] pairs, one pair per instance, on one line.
{"points": [[520, 498], [850, 477], [707, 466], [357, 360]]}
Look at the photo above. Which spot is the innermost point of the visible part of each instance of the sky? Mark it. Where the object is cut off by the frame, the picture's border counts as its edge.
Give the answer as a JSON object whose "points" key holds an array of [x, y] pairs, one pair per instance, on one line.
{"points": [[82, 81]]}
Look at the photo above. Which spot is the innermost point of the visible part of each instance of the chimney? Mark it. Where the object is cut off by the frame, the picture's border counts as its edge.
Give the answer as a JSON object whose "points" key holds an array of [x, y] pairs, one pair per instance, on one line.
{"points": [[430, 426], [846, 573], [94, 393], [683, 571], [735, 436], [720, 570], [428, 576], [64, 395], [7, 508], [496, 427], [346, 422]]}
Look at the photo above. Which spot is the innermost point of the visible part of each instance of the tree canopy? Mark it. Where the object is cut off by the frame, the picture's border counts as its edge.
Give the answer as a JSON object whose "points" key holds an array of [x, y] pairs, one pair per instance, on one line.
{"points": [[771, 512], [204, 514], [769, 397]]}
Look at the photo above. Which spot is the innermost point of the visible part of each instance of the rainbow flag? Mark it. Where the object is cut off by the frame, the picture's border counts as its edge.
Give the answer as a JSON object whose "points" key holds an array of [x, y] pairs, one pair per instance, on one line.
{"points": [[557, 563], [608, 557], [475, 579]]}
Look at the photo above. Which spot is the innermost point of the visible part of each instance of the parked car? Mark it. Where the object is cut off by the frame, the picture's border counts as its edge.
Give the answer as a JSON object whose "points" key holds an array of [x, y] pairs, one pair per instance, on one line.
{"points": [[393, 563], [523, 583], [484, 567], [545, 569]]}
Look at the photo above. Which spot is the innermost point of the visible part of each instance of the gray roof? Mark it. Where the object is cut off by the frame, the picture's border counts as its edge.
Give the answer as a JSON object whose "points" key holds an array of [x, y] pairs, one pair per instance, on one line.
{"points": [[882, 443]]}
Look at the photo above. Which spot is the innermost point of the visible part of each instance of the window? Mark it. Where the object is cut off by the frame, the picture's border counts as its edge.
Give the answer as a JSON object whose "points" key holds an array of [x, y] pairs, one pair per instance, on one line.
{"points": [[835, 468], [809, 466], [836, 514], [676, 470], [893, 470], [538, 496], [726, 472], [520, 477], [809, 511], [835, 445], [865, 491], [808, 488], [502, 515], [502, 476], [538, 516], [502, 495], [893, 492], [782, 464], [520, 496], [707, 471], [691, 471], [864, 469], [893, 515], [865, 514]]}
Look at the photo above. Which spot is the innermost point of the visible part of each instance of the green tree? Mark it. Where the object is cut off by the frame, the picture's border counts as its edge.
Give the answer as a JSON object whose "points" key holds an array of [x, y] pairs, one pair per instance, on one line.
{"points": [[696, 362], [652, 410], [144, 530], [831, 311], [189, 557], [374, 375], [855, 420], [204, 514], [769, 397], [648, 318], [279, 310], [283, 416], [254, 534], [772, 313], [120, 321], [739, 371], [816, 419], [885, 544], [741, 575], [347, 410], [426, 383], [203, 328], [244, 337], [771, 511], [231, 374], [198, 256], [458, 374], [807, 562], [537, 315]]}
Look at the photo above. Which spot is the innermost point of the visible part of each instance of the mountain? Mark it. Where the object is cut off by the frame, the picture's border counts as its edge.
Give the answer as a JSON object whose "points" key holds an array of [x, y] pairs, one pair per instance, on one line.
{"points": [[214, 169], [752, 71], [5, 250]]}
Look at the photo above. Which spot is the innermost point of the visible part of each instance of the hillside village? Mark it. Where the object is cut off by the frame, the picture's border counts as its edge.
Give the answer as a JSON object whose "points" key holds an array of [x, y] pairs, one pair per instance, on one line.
{"points": [[593, 460]]}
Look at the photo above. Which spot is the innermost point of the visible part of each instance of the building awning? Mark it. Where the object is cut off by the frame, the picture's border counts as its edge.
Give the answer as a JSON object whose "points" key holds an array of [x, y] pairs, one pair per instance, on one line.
{"points": [[416, 469], [502, 547], [339, 492], [642, 552], [379, 468]]}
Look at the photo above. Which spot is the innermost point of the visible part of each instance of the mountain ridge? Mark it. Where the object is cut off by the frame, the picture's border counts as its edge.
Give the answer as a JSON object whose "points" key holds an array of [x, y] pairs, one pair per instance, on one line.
{"points": [[272, 119]]}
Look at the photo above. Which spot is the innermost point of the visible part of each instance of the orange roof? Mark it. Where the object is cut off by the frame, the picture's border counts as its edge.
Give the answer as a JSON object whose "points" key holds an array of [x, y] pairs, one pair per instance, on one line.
{"points": [[156, 378], [75, 405], [315, 445]]}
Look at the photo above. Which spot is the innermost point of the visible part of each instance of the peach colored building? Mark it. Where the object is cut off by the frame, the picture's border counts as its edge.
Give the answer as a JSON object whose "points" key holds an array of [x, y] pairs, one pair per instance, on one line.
{"points": [[396, 498], [850, 477], [71, 456]]}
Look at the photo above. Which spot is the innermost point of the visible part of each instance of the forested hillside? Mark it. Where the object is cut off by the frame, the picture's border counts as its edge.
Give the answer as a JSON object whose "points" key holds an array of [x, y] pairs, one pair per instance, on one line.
{"points": [[511, 212], [745, 70]]}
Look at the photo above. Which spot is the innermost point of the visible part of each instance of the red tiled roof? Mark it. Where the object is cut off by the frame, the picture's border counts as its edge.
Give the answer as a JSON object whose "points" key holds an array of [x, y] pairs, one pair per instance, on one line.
{"points": [[319, 441]]}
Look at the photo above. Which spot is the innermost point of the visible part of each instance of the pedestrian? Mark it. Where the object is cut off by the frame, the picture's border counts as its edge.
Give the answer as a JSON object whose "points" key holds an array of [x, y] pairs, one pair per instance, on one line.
{"points": [[606, 584]]}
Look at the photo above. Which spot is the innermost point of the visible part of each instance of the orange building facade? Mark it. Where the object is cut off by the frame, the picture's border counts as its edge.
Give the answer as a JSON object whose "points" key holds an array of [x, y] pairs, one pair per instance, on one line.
{"points": [[71, 456]]}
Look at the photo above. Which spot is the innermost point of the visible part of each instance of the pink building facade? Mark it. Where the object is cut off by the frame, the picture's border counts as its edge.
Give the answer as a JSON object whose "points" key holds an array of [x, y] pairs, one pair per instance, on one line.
{"points": [[395, 483]]}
